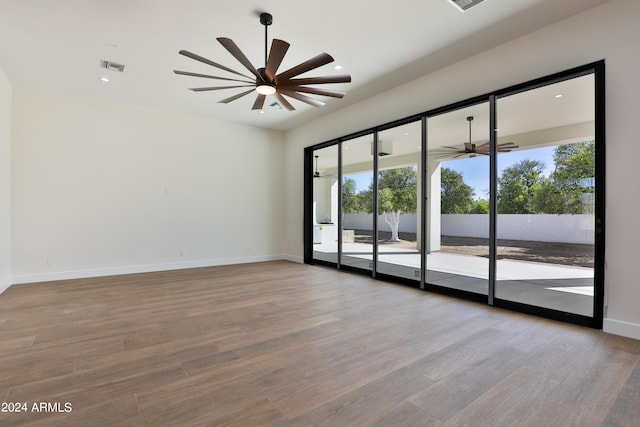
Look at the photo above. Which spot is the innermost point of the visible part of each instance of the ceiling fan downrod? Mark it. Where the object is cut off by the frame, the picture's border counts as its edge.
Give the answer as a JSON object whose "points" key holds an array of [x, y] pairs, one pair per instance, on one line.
{"points": [[266, 19]]}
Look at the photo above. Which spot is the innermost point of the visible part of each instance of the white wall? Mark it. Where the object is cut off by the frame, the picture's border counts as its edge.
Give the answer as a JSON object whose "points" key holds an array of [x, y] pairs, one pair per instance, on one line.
{"points": [[609, 32], [5, 180], [363, 221], [100, 187], [537, 228]]}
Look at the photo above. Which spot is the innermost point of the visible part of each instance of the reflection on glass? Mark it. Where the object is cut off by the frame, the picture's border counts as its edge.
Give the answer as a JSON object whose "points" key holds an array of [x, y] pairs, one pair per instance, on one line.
{"points": [[399, 213], [357, 202], [458, 200], [545, 223], [325, 204]]}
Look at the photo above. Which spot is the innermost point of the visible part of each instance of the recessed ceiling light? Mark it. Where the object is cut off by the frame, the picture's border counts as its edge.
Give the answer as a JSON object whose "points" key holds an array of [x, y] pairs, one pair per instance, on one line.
{"points": [[104, 79], [261, 111], [338, 67], [406, 133], [559, 95]]}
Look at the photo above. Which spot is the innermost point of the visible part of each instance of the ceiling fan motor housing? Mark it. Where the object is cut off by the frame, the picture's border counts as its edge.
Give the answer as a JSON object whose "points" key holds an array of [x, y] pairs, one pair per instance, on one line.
{"points": [[266, 19]]}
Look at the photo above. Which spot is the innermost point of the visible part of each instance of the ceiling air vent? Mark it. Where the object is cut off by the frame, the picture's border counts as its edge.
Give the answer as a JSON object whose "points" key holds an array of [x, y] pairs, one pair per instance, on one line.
{"points": [[464, 5], [108, 65]]}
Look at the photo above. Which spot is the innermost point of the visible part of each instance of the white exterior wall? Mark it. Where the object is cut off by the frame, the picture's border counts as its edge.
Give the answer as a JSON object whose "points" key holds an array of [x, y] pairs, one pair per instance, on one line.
{"points": [[610, 32], [363, 221], [536, 228], [101, 187], [5, 181]]}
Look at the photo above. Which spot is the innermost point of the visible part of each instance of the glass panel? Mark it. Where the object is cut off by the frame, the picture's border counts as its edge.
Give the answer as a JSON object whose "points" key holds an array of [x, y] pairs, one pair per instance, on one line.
{"points": [[325, 204], [399, 151], [357, 203], [545, 224], [458, 199]]}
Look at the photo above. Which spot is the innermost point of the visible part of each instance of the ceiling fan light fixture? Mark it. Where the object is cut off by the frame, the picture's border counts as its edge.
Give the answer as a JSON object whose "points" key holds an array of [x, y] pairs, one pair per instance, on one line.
{"points": [[265, 89]]}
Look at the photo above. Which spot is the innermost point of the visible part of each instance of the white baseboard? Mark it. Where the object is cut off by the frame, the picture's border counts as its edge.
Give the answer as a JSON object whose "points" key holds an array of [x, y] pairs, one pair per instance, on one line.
{"points": [[4, 284], [293, 258], [618, 327], [134, 269]]}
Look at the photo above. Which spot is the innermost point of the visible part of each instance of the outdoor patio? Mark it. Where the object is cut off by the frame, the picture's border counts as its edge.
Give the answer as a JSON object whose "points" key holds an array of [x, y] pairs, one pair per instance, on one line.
{"points": [[560, 287]]}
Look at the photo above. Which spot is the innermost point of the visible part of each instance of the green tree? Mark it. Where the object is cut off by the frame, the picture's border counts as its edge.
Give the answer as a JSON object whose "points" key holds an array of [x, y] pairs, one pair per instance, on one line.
{"points": [[351, 203], [397, 194], [562, 192], [456, 197], [517, 186], [480, 207]]}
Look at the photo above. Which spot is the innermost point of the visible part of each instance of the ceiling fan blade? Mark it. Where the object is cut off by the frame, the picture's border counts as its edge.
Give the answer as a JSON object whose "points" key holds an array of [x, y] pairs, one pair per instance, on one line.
{"points": [[507, 145], [259, 103], [209, 62], [204, 89], [310, 64], [276, 55], [237, 53], [234, 97], [284, 102], [303, 98], [207, 76], [313, 91], [345, 78], [486, 144], [447, 149]]}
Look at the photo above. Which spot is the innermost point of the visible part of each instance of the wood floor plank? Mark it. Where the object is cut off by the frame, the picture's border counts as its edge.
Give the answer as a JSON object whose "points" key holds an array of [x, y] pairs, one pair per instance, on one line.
{"points": [[508, 403], [285, 344], [370, 403], [626, 408], [585, 397], [453, 393], [405, 414], [337, 380]]}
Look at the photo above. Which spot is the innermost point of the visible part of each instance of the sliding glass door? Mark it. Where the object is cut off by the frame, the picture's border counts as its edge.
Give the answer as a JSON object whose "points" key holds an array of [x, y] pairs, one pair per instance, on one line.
{"points": [[357, 235], [546, 193], [458, 199], [399, 216], [499, 198], [325, 204]]}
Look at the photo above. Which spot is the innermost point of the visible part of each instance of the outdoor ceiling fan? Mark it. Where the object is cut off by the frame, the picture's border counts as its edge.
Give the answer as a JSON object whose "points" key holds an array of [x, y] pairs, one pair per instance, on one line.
{"points": [[265, 81], [317, 174], [472, 149]]}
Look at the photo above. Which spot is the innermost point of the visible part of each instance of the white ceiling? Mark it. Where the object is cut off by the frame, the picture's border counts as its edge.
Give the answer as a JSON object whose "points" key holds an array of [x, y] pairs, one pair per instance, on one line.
{"points": [[59, 44]]}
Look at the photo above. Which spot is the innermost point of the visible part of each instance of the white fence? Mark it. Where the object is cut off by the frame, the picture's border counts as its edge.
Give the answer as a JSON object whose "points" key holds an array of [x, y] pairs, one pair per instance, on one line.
{"points": [[362, 221], [537, 228]]}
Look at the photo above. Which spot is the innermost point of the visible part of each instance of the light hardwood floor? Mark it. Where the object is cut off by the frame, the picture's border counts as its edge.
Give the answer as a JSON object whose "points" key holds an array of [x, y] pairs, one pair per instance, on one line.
{"points": [[284, 344]]}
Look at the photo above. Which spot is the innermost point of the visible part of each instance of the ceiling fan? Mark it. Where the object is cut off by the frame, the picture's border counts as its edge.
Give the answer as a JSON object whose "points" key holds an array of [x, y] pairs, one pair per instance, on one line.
{"points": [[472, 149], [265, 81], [317, 174]]}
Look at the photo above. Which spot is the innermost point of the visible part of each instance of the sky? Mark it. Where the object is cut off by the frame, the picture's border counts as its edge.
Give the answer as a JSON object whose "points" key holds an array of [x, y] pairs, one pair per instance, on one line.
{"points": [[475, 170]]}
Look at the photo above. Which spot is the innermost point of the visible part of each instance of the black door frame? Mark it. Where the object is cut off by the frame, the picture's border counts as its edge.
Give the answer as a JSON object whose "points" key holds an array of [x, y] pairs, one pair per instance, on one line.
{"points": [[595, 68]]}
